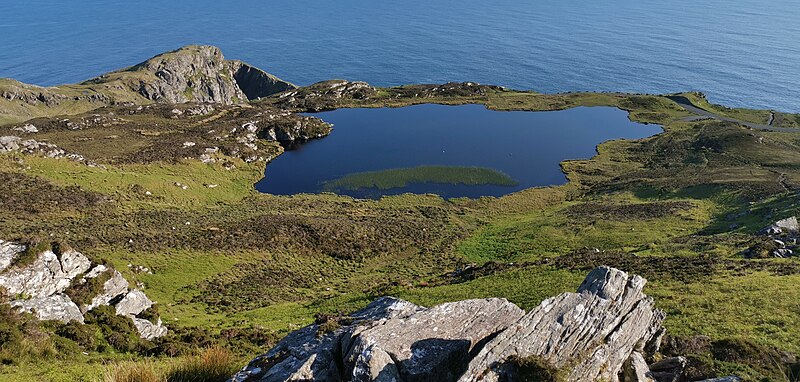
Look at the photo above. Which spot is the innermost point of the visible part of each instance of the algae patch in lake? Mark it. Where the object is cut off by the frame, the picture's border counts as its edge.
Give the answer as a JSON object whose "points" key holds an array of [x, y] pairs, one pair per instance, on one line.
{"points": [[402, 177], [452, 151]]}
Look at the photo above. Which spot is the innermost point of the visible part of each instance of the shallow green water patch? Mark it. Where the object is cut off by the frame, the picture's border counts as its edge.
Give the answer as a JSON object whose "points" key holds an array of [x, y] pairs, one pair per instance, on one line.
{"points": [[403, 177]]}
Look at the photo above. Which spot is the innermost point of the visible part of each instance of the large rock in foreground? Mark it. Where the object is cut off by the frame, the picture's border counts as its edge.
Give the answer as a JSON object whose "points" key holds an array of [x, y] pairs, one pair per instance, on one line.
{"points": [[587, 335], [599, 333]]}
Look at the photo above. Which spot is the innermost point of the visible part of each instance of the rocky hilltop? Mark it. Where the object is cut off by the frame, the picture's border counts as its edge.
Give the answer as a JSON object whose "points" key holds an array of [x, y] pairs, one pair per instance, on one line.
{"points": [[55, 282], [607, 331], [193, 73]]}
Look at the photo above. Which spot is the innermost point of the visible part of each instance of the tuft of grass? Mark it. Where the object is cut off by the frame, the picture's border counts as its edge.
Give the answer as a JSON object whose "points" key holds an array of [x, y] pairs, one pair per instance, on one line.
{"points": [[142, 371], [535, 369], [215, 364]]}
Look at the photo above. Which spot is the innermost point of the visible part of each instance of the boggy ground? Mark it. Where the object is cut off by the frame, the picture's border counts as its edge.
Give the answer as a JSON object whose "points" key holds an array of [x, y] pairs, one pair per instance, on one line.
{"points": [[236, 268]]}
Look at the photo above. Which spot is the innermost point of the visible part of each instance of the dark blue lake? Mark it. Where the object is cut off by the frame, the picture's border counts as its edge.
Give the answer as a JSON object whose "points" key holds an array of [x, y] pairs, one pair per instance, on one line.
{"points": [[525, 146]]}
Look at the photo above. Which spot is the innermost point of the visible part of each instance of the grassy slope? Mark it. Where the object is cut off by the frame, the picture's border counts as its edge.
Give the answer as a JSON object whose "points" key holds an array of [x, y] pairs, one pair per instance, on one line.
{"points": [[666, 197]]}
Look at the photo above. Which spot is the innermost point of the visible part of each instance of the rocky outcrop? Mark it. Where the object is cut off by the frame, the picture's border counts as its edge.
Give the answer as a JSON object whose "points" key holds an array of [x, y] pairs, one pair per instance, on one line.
{"points": [[192, 73], [605, 331], [149, 330], [427, 346], [311, 353], [50, 273], [784, 226], [195, 73], [12, 143], [596, 331], [326, 95], [114, 287], [780, 239], [41, 282], [256, 83], [57, 307], [133, 303]]}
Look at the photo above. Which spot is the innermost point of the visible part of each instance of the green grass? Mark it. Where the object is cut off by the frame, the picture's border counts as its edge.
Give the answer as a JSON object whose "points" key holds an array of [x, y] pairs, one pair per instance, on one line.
{"points": [[402, 177], [761, 306], [249, 261], [524, 287]]}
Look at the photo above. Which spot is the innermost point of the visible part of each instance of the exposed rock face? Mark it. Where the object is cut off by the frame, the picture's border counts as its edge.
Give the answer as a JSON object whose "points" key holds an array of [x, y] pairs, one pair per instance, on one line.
{"points": [[191, 73], [42, 286], [600, 333], [56, 307], [133, 303], [114, 287], [256, 83], [782, 239], [307, 354], [149, 330], [49, 274], [427, 346], [8, 252], [196, 73], [12, 143], [592, 332]]}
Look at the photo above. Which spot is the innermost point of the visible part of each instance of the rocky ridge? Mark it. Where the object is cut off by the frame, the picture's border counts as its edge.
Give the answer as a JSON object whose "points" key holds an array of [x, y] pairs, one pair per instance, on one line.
{"points": [[195, 73], [607, 330], [198, 73], [48, 282]]}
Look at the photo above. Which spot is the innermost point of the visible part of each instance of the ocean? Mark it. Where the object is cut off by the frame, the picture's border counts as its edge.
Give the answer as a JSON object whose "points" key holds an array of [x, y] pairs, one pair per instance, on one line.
{"points": [[742, 53]]}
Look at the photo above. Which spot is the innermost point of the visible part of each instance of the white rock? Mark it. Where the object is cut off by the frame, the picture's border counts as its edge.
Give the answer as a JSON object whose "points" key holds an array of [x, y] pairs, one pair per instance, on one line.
{"points": [[47, 275], [134, 303], [56, 307]]}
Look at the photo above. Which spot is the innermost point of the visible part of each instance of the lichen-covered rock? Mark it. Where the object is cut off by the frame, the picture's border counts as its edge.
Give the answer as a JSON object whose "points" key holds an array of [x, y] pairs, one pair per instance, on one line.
{"points": [[134, 303], [149, 330], [325, 95], [8, 252], [307, 354], [635, 369], [50, 273], [588, 335], [433, 344], [38, 287], [56, 307], [113, 288]]}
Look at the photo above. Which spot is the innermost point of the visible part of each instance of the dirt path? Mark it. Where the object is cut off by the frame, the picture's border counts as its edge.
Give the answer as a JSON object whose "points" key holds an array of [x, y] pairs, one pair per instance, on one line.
{"points": [[686, 104]]}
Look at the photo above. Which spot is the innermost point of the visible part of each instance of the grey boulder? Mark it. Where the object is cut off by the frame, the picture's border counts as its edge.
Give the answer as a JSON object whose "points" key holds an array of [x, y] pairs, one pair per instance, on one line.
{"points": [[134, 303], [589, 335], [47, 275], [56, 307]]}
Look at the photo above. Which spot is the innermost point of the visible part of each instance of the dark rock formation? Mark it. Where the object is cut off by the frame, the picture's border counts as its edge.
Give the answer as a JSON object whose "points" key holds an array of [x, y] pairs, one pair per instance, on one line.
{"points": [[256, 83], [603, 332]]}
